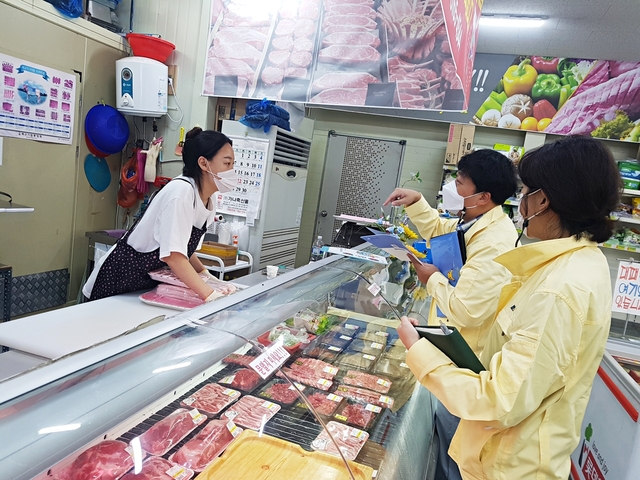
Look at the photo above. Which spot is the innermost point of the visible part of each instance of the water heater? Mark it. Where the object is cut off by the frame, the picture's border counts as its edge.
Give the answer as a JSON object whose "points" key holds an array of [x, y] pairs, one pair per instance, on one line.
{"points": [[141, 87]]}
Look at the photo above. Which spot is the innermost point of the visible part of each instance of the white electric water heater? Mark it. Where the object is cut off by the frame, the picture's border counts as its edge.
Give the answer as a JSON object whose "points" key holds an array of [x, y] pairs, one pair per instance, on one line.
{"points": [[141, 87]]}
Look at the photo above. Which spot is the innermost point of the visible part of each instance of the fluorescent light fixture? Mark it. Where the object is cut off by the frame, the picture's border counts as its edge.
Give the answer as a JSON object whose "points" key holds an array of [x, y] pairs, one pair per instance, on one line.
{"points": [[59, 428], [172, 367], [137, 455], [509, 21]]}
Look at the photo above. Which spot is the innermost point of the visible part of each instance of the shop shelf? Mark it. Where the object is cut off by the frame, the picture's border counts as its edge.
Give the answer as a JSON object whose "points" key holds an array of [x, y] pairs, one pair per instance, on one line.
{"points": [[632, 193], [617, 246], [627, 220]]}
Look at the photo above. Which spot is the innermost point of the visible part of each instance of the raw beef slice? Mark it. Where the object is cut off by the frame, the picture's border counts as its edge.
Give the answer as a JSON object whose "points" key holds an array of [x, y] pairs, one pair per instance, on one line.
{"points": [[239, 51], [304, 28], [279, 58], [366, 380], [341, 96], [240, 35], [245, 379], [211, 399], [107, 460], [282, 43], [210, 442], [301, 59], [348, 54], [156, 468], [350, 9], [351, 38], [272, 76], [350, 20], [350, 440], [309, 10], [250, 411], [344, 80], [285, 27], [303, 45], [168, 432], [345, 28]]}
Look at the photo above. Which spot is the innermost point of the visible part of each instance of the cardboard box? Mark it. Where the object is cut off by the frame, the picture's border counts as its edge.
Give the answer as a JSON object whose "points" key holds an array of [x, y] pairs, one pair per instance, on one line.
{"points": [[466, 140], [451, 155]]}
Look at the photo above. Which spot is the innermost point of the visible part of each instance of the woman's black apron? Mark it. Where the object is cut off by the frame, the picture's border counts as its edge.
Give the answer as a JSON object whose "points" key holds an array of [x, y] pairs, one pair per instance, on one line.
{"points": [[127, 270]]}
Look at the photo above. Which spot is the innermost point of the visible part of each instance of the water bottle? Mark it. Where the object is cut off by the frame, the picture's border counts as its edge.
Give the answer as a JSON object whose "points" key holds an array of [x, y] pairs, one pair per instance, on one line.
{"points": [[316, 249]]}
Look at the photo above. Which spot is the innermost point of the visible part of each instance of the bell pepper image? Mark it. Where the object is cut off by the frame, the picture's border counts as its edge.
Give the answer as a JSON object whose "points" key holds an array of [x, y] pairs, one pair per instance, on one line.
{"points": [[543, 109], [545, 64], [565, 93], [547, 87], [519, 78]]}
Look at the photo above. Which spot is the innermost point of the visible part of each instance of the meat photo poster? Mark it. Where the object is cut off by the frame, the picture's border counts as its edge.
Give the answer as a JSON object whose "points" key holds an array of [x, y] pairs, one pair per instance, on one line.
{"points": [[408, 54], [566, 96]]}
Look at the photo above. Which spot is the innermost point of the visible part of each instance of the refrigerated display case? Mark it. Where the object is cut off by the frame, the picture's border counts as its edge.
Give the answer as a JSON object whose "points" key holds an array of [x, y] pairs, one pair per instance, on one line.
{"points": [[117, 391]]}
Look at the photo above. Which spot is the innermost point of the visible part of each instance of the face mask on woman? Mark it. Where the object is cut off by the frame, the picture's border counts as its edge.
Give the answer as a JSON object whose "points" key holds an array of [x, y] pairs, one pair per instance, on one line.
{"points": [[225, 181], [523, 222]]}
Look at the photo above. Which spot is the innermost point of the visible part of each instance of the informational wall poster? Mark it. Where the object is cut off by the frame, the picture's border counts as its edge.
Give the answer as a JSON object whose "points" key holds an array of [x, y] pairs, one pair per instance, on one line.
{"points": [[626, 292], [409, 54], [250, 166], [38, 102], [566, 96]]}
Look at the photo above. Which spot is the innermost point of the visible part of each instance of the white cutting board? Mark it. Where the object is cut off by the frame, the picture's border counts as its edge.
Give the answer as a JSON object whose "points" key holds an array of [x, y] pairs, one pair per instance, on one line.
{"points": [[66, 330]]}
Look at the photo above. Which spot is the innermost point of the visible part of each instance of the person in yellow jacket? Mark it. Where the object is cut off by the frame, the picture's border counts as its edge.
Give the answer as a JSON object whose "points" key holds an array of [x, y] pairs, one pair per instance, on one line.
{"points": [[484, 181], [521, 418]]}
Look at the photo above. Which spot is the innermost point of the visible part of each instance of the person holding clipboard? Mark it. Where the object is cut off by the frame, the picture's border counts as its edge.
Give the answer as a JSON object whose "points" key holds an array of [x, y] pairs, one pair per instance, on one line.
{"points": [[521, 417], [485, 180]]}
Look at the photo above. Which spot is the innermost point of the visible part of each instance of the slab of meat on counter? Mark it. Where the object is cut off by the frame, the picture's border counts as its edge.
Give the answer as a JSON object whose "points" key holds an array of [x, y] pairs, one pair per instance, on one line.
{"points": [[357, 413], [156, 468], [316, 367], [251, 411], [243, 379], [366, 380], [282, 391], [324, 403], [357, 393], [350, 440], [208, 444], [168, 432], [341, 96], [106, 460], [237, 359], [211, 399], [347, 54], [307, 377], [171, 296], [353, 38]]}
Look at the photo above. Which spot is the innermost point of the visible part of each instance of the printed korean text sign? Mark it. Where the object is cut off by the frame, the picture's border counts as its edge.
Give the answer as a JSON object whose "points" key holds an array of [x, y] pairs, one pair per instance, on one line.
{"points": [[626, 292], [38, 102]]}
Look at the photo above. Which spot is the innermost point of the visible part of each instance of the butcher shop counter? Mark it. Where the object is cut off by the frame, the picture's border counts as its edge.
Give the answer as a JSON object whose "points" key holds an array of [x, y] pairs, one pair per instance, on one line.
{"points": [[122, 393]]}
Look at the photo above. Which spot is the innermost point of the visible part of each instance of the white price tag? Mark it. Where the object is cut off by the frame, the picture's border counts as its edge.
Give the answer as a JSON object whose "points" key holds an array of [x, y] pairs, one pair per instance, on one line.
{"points": [[188, 401], [196, 415], [335, 398], [330, 370], [384, 383], [404, 365], [230, 393], [334, 348], [348, 326], [382, 334], [233, 429], [270, 406], [271, 359], [231, 414], [377, 346], [177, 472], [227, 379], [374, 289], [345, 337], [373, 408], [385, 399], [368, 357], [357, 433], [320, 443], [324, 382]]}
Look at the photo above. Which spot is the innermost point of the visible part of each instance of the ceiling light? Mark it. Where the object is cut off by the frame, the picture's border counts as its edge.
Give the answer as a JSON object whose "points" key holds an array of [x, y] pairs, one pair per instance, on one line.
{"points": [[511, 21]]}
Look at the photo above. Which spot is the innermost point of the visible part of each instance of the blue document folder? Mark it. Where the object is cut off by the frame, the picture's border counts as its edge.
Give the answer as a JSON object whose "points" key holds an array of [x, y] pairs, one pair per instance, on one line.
{"points": [[446, 254]]}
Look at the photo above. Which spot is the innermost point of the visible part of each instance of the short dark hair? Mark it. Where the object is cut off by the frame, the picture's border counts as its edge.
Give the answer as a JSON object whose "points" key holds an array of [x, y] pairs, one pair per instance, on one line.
{"points": [[491, 172], [201, 143], [581, 180]]}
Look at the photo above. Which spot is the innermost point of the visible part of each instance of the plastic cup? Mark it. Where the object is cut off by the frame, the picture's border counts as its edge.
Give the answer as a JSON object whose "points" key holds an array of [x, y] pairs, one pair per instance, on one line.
{"points": [[272, 271]]}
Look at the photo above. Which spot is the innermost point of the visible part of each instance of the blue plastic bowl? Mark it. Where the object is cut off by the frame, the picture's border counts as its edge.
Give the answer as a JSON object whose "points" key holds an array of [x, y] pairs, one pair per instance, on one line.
{"points": [[106, 128]]}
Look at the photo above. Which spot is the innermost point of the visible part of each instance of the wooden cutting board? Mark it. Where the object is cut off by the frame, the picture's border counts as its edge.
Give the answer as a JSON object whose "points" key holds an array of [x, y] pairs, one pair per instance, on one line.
{"points": [[267, 458]]}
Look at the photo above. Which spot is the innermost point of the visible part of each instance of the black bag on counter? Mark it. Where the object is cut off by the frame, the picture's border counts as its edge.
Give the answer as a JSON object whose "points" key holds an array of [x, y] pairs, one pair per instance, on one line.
{"points": [[350, 235]]}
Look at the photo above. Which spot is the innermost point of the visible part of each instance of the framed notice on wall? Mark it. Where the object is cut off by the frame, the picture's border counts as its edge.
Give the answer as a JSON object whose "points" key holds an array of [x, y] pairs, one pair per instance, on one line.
{"points": [[38, 102], [250, 166]]}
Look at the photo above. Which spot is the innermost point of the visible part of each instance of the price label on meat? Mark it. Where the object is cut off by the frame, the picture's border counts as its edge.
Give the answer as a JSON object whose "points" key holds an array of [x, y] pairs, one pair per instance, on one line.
{"points": [[334, 348], [271, 359], [230, 393], [335, 398], [404, 365], [324, 382], [385, 399], [373, 408], [382, 334], [382, 382], [330, 370], [368, 357], [351, 327], [357, 433], [377, 346], [178, 473], [233, 429]]}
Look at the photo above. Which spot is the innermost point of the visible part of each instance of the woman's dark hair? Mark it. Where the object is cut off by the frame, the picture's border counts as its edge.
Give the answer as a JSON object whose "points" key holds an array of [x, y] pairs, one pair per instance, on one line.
{"points": [[581, 180], [200, 143], [491, 172]]}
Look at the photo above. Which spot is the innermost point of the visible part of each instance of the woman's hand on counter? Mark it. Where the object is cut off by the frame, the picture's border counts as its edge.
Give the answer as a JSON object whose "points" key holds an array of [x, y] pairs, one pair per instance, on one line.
{"points": [[408, 334], [402, 196], [184, 270]]}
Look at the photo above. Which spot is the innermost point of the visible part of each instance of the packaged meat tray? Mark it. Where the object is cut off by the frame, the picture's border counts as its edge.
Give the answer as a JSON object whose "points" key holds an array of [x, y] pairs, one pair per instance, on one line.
{"points": [[170, 296], [237, 359], [369, 396], [168, 432], [377, 337], [108, 460], [357, 413], [362, 361], [325, 403], [156, 468], [281, 391], [366, 380], [396, 353], [243, 379], [250, 412], [307, 377], [350, 440], [391, 368], [207, 445], [166, 275], [211, 399], [314, 367], [365, 346], [349, 329], [339, 340], [321, 351]]}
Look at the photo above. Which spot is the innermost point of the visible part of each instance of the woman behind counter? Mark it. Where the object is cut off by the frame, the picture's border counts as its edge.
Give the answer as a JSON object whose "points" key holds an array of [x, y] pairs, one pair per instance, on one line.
{"points": [[172, 227], [521, 418]]}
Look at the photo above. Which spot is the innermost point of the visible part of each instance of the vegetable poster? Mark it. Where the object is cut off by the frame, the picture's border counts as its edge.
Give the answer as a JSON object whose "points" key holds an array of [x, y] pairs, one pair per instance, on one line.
{"points": [[37, 101], [408, 54], [567, 96]]}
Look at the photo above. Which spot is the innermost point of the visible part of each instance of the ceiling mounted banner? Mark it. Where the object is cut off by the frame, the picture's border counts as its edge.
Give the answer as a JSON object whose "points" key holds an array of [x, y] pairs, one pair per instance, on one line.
{"points": [[408, 54]]}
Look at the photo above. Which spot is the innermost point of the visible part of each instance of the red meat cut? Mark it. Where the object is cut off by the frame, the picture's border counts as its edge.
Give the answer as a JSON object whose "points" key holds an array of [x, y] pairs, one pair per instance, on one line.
{"points": [[210, 442], [272, 75], [317, 368], [345, 28], [155, 468], [307, 377], [305, 28], [356, 393], [351, 38], [350, 440], [244, 379], [240, 35], [344, 80], [448, 72], [323, 404], [168, 432], [285, 27], [350, 20], [282, 392], [107, 460], [279, 58], [237, 359], [301, 59], [250, 411], [282, 43], [357, 414], [341, 96], [303, 45], [366, 380], [211, 399], [347, 54], [239, 51], [350, 9]]}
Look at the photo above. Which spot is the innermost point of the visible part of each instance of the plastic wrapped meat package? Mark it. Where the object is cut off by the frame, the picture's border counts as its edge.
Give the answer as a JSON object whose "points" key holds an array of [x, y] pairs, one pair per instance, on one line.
{"points": [[325, 403], [377, 337], [156, 468], [243, 379], [306, 377], [251, 412], [362, 361], [108, 460], [171, 296], [321, 351], [211, 399], [167, 433], [396, 353], [366, 380], [237, 359], [207, 445], [357, 393], [350, 329], [357, 413], [350, 440], [365, 346], [337, 339], [281, 391], [392, 368]]}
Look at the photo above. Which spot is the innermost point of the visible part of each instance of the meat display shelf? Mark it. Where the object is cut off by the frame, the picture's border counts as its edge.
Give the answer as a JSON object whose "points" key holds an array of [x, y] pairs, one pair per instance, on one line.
{"points": [[616, 246]]}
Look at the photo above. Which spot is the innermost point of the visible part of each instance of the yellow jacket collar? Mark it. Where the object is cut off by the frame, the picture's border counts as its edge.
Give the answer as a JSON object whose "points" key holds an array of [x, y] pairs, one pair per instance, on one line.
{"points": [[485, 220], [523, 261]]}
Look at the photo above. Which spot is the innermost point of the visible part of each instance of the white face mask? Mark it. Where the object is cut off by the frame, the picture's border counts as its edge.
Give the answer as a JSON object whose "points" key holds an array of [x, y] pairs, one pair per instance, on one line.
{"points": [[225, 181], [452, 201], [523, 222]]}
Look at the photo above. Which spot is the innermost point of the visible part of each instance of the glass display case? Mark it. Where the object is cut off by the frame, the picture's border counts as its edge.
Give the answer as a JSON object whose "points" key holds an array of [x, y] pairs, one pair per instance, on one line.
{"points": [[342, 405]]}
